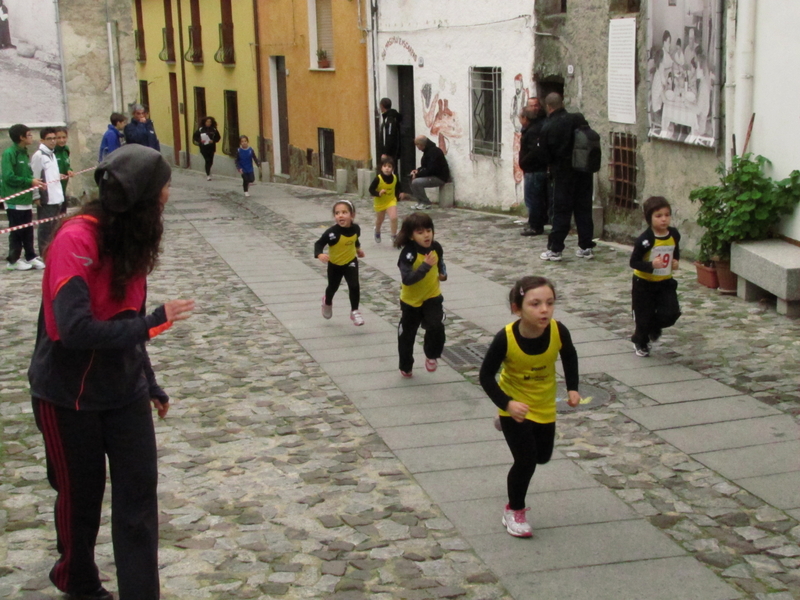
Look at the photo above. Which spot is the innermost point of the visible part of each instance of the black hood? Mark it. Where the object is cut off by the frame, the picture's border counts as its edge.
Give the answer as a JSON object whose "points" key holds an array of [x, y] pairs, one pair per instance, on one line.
{"points": [[129, 175]]}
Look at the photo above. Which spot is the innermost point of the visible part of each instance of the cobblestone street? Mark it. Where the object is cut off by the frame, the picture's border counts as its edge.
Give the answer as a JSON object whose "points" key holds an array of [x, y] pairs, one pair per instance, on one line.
{"points": [[280, 477]]}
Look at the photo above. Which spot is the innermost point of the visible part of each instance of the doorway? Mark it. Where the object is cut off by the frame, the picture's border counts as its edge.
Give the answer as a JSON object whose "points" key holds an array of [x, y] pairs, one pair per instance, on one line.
{"points": [[405, 106], [176, 121], [280, 115]]}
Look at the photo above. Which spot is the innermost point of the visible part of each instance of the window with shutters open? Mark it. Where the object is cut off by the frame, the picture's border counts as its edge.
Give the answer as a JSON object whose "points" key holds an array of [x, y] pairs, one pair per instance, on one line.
{"points": [[320, 26]]}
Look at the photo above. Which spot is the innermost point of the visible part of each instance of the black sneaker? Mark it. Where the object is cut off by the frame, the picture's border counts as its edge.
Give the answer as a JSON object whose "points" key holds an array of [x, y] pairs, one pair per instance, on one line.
{"points": [[641, 349], [655, 335], [527, 231], [99, 594]]}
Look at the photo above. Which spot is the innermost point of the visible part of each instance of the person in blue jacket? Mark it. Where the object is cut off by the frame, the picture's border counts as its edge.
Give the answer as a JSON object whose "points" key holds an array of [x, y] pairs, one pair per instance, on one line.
{"points": [[245, 157], [113, 138], [141, 130]]}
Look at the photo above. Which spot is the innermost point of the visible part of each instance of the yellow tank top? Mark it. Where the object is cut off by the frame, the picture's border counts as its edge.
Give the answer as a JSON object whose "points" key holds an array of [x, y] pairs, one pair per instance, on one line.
{"points": [[343, 252], [532, 378], [661, 247], [381, 203], [425, 289]]}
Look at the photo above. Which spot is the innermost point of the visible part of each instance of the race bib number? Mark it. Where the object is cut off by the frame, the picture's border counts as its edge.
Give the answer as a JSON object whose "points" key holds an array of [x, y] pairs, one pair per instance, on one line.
{"points": [[666, 252]]}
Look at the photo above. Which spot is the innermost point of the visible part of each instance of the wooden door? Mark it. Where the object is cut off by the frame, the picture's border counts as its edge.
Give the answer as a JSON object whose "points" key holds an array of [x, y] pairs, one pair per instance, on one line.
{"points": [[408, 156], [283, 114], [176, 120]]}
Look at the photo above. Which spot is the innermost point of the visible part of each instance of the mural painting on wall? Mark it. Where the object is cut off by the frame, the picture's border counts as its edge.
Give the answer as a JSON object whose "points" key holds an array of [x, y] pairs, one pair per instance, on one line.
{"points": [[683, 67], [518, 102], [441, 121], [30, 64]]}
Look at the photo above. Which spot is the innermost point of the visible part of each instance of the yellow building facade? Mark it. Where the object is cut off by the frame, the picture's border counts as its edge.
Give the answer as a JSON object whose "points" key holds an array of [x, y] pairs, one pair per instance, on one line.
{"points": [[198, 58], [315, 105]]}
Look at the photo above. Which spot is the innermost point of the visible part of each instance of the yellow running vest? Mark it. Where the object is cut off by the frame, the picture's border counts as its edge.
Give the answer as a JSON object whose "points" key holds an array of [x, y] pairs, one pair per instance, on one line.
{"points": [[425, 289], [381, 203], [343, 252], [662, 246], [532, 378]]}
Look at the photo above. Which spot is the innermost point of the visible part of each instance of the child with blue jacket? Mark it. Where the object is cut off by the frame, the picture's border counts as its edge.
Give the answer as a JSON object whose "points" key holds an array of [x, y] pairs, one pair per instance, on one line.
{"points": [[113, 138], [245, 157]]}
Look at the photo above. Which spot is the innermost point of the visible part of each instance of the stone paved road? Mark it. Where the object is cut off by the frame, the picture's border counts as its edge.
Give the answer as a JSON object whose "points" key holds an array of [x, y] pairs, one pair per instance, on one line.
{"points": [[273, 484]]}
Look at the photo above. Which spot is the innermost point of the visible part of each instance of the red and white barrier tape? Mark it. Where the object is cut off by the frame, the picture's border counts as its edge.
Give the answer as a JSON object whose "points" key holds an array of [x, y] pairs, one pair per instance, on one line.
{"points": [[33, 223], [30, 189]]}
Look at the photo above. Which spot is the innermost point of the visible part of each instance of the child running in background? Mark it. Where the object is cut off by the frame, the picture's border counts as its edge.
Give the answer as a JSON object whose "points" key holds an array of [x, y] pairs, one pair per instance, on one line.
{"points": [[383, 190], [654, 292], [421, 269], [344, 250], [245, 157], [527, 350]]}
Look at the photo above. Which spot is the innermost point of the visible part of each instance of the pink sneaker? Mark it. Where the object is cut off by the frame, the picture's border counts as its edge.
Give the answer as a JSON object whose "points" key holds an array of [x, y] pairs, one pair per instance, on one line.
{"points": [[516, 522], [431, 365], [406, 374], [356, 318]]}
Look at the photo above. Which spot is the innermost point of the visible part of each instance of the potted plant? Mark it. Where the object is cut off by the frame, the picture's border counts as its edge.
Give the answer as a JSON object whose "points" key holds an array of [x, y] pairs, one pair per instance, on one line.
{"points": [[743, 206], [322, 59]]}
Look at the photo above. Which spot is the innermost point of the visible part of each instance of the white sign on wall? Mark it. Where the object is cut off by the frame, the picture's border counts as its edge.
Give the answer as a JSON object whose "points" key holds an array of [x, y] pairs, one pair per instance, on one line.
{"points": [[622, 71]]}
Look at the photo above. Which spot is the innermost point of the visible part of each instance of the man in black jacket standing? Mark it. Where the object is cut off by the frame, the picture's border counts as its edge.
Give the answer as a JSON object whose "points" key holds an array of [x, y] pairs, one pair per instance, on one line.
{"points": [[433, 171], [572, 190], [389, 142], [533, 165]]}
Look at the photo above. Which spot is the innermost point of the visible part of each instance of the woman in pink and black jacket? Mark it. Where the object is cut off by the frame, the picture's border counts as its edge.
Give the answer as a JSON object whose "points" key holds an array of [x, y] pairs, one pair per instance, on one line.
{"points": [[91, 379]]}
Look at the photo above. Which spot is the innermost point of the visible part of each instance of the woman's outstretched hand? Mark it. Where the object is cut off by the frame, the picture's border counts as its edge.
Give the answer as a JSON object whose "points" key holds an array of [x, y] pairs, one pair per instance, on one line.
{"points": [[178, 310]]}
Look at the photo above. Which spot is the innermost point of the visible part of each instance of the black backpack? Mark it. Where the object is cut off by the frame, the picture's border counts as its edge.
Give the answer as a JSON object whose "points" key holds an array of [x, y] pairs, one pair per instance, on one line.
{"points": [[586, 152]]}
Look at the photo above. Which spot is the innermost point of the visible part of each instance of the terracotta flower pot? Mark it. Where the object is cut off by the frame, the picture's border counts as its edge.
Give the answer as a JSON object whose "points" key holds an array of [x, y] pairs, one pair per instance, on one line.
{"points": [[706, 276], [727, 278], [324, 63]]}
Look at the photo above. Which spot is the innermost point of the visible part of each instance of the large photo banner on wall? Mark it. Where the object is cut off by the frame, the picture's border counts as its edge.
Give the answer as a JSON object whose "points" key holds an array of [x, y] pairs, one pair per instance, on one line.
{"points": [[31, 79], [683, 70]]}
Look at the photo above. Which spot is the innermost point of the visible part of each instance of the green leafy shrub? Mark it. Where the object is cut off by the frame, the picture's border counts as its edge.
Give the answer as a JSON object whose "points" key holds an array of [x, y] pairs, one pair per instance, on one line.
{"points": [[744, 206]]}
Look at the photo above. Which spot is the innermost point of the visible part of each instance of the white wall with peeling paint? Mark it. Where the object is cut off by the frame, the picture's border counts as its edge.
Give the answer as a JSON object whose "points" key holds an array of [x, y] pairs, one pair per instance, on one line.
{"points": [[442, 40]]}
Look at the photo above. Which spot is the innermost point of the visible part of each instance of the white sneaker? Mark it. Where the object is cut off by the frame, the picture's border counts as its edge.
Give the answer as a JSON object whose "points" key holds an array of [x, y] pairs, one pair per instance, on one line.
{"points": [[587, 254], [327, 309], [20, 265], [356, 318], [247, 194], [516, 522], [208, 177], [550, 255], [36, 263], [377, 237]]}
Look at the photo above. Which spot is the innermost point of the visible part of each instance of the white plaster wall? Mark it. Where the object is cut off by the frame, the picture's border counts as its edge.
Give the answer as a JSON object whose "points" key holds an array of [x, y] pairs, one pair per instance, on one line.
{"points": [[448, 37], [777, 88]]}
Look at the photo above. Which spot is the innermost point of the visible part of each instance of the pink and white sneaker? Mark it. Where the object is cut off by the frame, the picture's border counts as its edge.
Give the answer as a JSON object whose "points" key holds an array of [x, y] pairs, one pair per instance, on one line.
{"points": [[431, 365], [327, 309], [406, 374], [516, 522], [356, 318]]}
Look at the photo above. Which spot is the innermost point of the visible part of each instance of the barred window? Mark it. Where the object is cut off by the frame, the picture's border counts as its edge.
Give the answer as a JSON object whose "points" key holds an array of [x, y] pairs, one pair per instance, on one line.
{"points": [[199, 104], [622, 169], [486, 105], [144, 94], [230, 139]]}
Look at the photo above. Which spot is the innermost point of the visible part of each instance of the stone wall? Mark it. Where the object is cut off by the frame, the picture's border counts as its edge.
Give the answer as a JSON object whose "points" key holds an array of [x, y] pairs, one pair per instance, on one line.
{"points": [[303, 173], [579, 39]]}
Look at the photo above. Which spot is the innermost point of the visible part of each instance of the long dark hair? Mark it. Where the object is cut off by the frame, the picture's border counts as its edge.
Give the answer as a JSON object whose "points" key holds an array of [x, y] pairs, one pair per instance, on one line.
{"points": [[131, 240], [414, 221], [202, 122]]}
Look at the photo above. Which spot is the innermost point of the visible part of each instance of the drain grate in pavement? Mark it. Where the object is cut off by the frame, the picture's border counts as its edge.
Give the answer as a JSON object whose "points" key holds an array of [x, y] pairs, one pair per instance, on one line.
{"points": [[465, 355]]}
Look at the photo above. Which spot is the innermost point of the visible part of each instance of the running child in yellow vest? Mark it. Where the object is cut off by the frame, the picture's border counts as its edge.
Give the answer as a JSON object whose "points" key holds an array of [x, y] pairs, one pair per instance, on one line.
{"points": [[422, 267], [344, 250], [525, 395], [654, 293], [383, 189]]}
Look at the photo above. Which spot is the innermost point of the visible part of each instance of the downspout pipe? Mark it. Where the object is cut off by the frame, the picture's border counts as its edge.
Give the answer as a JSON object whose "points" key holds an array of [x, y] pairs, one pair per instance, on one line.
{"points": [[187, 131], [259, 79], [111, 63], [373, 128], [744, 68]]}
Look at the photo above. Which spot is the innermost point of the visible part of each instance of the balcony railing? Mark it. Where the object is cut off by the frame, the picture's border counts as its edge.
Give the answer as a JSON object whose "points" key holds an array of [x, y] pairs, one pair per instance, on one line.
{"points": [[167, 53], [195, 52], [138, 40], [225, 55]]}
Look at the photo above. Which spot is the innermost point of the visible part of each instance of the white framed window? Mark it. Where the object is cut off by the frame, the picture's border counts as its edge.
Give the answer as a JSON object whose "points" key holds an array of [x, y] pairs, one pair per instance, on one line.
{"points": [[485, 107], [320, 31]]}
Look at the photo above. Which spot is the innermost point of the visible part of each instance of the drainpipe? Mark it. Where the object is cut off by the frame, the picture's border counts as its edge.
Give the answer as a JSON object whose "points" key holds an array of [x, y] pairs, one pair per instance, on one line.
{"points": [[373, 67], [744, 69], [186, 131], [111, 63], [258, 82]]}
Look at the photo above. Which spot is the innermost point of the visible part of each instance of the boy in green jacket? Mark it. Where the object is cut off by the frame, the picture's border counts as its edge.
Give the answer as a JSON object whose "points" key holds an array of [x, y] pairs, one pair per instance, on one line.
{"points": [[18, 176]]}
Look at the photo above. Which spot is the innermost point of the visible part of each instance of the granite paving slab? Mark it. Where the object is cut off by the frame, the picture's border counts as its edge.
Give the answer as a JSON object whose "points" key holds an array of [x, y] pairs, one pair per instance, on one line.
{"points": [[439, 412], [753, 461], [458, 456], [422, 394], [699, 412], [732, 434], [781, 490], [644, 375], [683, 391]]}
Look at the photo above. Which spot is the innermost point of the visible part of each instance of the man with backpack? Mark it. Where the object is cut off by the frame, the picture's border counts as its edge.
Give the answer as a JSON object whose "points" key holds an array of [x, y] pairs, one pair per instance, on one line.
{"points": [[571, 169]]}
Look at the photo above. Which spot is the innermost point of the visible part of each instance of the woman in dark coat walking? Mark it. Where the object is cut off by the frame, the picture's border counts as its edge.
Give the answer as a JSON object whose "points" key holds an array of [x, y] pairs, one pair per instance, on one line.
{"points": [[5, 30], [207, 136]]}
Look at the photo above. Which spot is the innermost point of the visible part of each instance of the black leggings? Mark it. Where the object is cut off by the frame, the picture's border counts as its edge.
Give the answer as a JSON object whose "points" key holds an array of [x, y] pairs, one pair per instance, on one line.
{"points": [[208, 151], [431, 313], [247, 179], [350, 274], [531, 444], [655, 307]]}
